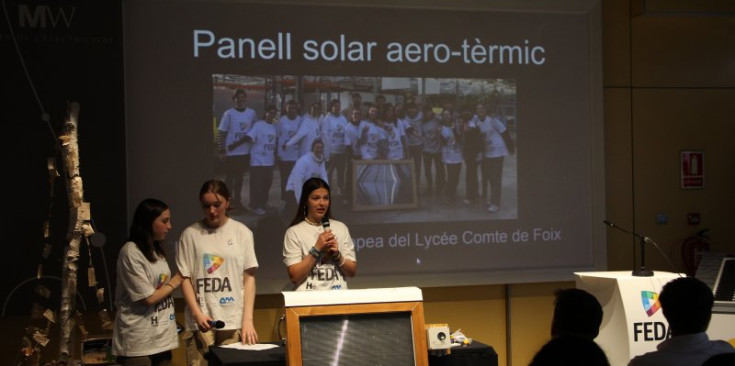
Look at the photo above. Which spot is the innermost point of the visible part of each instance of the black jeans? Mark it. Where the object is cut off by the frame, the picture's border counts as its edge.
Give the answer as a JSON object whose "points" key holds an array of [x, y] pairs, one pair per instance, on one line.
{"points": [[235, 168], [492, 174]]}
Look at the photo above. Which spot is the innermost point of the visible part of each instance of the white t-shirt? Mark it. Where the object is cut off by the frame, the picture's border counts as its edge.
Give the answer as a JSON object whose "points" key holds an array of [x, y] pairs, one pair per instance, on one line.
{"points": [[369, 146], [395, 147], [306, 167], [451, 149], [285, 130], [333, 129], [263, 152], [431, 132], [492, 130], [309, 131], [215, 260], [236, 124], [414, 137], [352, 136], [325, 275], [142, 330]]}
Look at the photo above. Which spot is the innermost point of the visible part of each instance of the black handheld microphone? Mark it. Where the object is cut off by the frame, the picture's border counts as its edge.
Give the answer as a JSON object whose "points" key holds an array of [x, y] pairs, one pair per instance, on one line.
{"points": [[325, 224], [216, 324]]}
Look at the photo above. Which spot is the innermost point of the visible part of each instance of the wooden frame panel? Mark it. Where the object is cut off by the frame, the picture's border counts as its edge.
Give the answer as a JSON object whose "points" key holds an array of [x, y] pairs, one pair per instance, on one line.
{"points": [[294, 315]]}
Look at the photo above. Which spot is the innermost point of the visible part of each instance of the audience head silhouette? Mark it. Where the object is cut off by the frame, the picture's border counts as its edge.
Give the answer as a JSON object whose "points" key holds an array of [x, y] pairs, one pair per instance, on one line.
{"points": [[687, 305], [570, 351], [576, 313]]}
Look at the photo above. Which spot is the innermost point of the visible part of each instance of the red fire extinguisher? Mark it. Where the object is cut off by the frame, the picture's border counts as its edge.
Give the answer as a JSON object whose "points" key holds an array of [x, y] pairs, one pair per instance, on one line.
{"points": [[691, 250]]}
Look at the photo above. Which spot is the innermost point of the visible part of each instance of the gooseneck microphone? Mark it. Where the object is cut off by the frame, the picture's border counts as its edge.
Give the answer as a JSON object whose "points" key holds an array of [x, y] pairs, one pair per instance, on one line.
{"points": [[641, 237], [216, 324], [642, 271]]}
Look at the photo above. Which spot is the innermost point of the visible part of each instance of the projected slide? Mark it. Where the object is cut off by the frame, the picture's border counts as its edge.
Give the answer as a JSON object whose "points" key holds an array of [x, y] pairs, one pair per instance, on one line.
{"points": [[462, 147]]}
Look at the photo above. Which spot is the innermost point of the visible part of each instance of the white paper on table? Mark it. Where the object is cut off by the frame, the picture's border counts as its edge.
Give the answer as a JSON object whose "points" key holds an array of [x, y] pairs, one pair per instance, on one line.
{"points": [[250, 347]]}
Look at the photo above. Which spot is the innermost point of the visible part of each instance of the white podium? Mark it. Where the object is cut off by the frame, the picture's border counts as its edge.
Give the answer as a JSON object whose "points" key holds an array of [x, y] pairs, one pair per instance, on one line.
{"points": [[633, 322]]}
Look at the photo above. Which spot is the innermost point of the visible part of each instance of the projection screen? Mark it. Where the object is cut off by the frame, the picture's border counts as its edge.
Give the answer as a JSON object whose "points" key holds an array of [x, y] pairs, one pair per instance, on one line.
{"points": [[536, 70]]}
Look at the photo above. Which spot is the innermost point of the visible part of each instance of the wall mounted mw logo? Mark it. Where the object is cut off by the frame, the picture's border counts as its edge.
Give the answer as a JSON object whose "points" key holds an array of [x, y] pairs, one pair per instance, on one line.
{"points": [[45, 16]]}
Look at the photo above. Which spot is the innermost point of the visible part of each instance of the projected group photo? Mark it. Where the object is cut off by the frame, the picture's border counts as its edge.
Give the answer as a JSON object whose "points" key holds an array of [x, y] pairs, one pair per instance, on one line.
{"points": [[393, 149]]}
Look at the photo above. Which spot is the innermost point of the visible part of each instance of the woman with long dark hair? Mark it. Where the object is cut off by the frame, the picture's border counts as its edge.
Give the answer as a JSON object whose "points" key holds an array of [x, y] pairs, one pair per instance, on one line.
{"points": [[145, 326], [318, 256]]}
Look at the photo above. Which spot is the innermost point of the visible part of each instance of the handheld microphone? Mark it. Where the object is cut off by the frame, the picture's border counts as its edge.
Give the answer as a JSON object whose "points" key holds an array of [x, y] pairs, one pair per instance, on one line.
{"points": [[217, 324], [325, 224]]}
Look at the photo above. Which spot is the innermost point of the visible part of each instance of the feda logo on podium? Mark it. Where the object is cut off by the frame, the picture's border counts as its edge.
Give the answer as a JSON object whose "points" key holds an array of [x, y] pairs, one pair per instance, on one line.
{"points": [[653, 330], [650, 302]]}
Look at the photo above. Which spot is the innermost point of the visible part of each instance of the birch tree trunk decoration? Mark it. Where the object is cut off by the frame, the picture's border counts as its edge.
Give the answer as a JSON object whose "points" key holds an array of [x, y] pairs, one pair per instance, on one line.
{"points": [[79, 229]]}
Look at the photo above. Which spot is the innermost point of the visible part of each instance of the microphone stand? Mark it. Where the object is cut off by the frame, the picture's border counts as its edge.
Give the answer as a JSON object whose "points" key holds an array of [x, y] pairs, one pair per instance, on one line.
{"points": [[642, 271]]}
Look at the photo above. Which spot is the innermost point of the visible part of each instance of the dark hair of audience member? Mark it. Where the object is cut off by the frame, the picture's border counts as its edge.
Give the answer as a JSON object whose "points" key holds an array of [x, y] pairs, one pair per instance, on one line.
{"points": [[576, 312], [687, 305], [570, 351]]}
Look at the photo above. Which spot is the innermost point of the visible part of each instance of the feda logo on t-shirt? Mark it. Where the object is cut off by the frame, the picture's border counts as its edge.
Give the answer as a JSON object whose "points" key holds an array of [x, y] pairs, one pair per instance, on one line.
{"points": [[161, 280], [212, 262]]}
